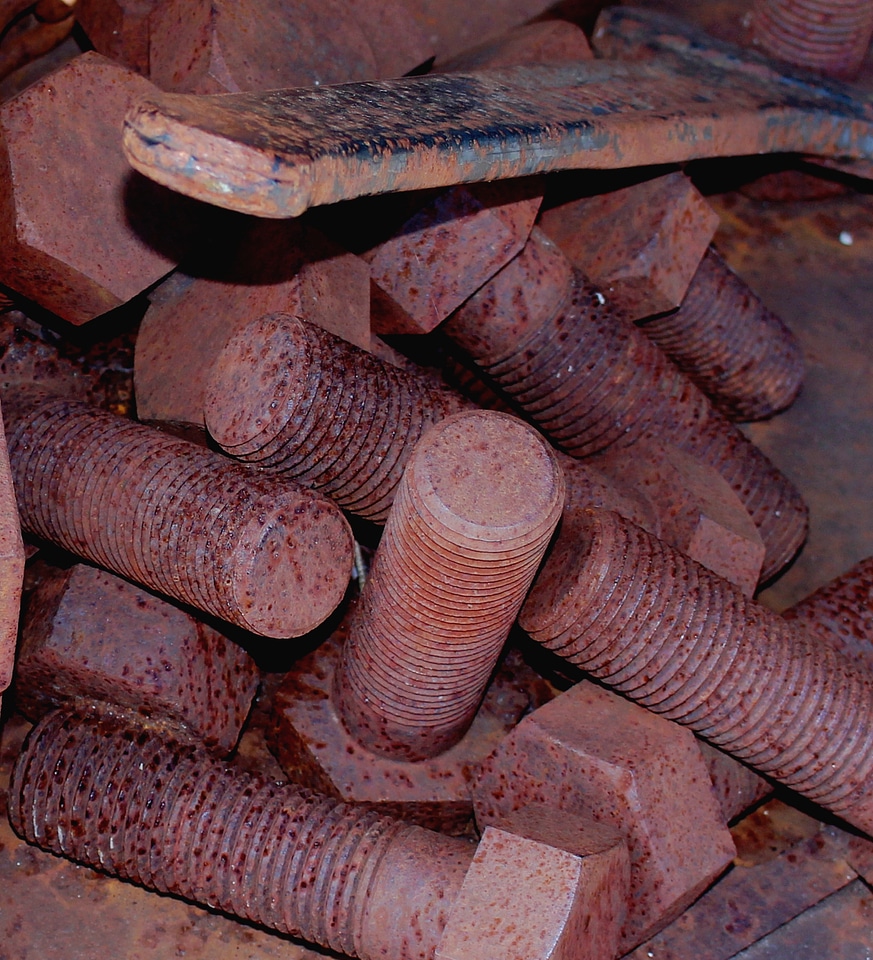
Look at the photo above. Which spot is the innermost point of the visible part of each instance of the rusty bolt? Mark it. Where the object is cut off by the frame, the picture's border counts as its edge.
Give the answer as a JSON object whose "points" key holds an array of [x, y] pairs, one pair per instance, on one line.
{"points": [[90, 635], [302, 403], [740, 354], [671, 635], [164, 815], [830, 36], [264, 554], [473, 515], [590, 380]]}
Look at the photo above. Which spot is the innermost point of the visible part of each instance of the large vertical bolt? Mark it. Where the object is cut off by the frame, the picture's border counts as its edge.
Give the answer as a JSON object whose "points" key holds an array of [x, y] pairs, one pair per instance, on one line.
{"points": [[830, 36], [265, 554], [669, 634], [474, 512], [590, 380], [298, 401], [740, 354]]}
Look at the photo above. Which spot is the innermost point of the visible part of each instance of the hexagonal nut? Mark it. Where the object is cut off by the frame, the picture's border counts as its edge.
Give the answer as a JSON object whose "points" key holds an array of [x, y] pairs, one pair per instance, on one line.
{"points": [[526, 900], [658, 232], [277, 266], [88, 634], [313, 747], [80, 232], [699, 513], [119, 29], [444, 253], [590, 753]]}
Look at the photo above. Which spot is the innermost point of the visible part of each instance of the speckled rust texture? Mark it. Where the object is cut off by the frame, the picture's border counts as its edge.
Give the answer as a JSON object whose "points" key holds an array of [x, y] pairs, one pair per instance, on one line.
{"points": [[91, 635], [473, 515], [591, 754], [674, 637], [590, 380], [656, 233], [740, 354], [86, 245], [11, 566], [264, 554], [162, 814], [301, 403]]}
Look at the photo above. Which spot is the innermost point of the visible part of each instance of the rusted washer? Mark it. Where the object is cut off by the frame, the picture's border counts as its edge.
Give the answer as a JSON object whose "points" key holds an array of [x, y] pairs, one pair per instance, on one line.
{"points": [[264, 554], [473, 515]]}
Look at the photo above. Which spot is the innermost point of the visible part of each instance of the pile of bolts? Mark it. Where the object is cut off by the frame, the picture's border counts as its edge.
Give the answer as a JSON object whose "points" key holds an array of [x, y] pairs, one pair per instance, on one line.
{"points": [[436, 376]]}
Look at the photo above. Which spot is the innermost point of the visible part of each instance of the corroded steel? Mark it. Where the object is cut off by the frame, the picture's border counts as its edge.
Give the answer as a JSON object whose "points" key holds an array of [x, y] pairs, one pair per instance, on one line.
{"points": [[264, 554], [11, 566], [827, 35], [590, 379], [684, 643], [119, 29], [471, 520], [90, 635], [739, 353], [162, 814], [302, 403], [278, 153]]}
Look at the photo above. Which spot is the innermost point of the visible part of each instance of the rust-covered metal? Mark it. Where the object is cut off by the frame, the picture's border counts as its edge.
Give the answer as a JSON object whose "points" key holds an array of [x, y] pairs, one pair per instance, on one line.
{"points": [[163, 814], [471, 520], [298, 402], [267, 555], [118, 29], [590, 380], [11, 566], [723, 337], [674, 637], [831, 36], [90, 635], [278, 153], [593, 754]]}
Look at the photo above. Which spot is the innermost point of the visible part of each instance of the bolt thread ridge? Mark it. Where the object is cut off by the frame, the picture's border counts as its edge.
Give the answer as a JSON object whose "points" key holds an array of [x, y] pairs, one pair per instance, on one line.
{"points": [[176, 517], [681, 641], [590, 379], [164, 815], [831, 36], [301, 402], [739, 353]]}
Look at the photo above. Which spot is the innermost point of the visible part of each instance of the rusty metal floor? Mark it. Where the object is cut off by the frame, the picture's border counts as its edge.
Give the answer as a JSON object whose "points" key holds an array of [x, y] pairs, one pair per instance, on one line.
{"points": [[812, 262]]}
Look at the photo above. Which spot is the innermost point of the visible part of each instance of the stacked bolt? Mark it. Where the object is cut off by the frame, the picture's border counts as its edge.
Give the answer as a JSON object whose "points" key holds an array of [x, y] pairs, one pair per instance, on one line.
{"points": [[298, 401], [471, 520], [266, 555]]}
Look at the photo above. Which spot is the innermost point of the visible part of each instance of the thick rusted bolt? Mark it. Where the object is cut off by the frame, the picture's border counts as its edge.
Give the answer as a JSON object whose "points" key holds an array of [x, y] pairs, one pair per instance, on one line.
{"points": [[164, 815], [830, 36], [302, 403], [740, 354], [474, 513], [90, 635], [265, 554], [671, 635], [590, 379]]}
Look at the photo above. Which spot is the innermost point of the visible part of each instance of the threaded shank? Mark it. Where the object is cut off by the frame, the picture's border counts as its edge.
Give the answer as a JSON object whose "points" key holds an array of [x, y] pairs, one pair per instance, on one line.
{"points": [[265, 554], [666, 632], [472, 518], [164, 815], [739, 353], [298, 401]]}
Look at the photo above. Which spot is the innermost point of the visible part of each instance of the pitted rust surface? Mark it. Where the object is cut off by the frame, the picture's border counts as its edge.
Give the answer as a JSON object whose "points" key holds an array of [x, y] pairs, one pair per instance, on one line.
{"points": [[100, 252], [90, 635], [11, 566], [473, 515], [740, 354], [591, 754], [278, 153], [831, 36], [302, 403], [657, 231], [162, 814], [264, 554], [590, 380], [666, 632]]}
